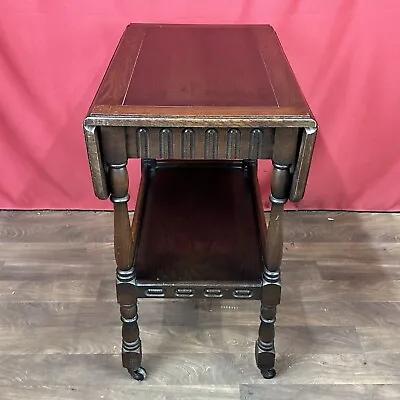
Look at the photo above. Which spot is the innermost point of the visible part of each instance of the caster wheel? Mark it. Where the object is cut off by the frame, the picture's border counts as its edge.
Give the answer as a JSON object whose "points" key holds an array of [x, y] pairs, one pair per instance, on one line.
{"points": [[269, 373], [139, 374]]}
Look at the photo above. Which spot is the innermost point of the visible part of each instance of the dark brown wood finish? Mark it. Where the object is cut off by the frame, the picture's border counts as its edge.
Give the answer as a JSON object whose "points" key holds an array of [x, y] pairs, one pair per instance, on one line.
{"points": [[199, 65], [200, 143], [117, 77], [199, 104], [182, 74], [284, 155], [113, 140], [207, 234]]}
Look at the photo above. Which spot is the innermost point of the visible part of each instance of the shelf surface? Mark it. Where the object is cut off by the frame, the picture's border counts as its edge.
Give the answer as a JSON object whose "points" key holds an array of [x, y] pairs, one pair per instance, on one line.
{"points": [[199, 225]]}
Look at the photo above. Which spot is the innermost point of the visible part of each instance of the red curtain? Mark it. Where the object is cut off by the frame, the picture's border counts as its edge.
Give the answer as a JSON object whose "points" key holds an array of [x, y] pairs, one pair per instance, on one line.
{"points": [[345, 53]]}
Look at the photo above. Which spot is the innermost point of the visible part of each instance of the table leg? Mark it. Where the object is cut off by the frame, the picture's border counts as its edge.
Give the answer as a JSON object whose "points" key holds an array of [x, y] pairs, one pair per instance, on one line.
{"points": [[271, 290], [126, 291]]}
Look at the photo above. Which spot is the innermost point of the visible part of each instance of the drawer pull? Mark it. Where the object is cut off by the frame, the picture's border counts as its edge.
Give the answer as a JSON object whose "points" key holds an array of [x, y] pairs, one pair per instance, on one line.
{"points": [[242, 294], [184, 292], [154, 292], [213, 293]]}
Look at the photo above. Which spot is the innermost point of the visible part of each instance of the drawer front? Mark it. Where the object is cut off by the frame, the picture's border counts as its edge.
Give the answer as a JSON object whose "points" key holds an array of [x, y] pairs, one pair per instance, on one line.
{"points": [[200, 143], [115, 144]]}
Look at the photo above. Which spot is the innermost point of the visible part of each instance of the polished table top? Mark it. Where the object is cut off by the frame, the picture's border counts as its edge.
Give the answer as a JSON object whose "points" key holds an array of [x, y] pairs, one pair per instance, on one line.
{"points": [[199, 74]]}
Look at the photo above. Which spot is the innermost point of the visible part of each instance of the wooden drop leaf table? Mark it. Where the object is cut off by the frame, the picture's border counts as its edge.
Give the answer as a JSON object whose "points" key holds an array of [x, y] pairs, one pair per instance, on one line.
{"points": [[199, 105]]}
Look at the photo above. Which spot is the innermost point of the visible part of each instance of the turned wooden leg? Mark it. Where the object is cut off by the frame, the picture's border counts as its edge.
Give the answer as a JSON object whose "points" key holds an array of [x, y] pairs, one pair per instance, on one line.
{"points": [[271, 290], [126, 290]]}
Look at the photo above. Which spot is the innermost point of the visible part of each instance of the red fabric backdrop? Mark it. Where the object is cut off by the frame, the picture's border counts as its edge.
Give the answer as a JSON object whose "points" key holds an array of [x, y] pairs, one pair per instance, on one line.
{"points": [[346, 55]]}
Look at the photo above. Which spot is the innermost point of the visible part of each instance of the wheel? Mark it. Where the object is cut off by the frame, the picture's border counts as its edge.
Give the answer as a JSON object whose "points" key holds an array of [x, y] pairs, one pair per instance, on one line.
{"points": [[268, 373], [139, 374]]}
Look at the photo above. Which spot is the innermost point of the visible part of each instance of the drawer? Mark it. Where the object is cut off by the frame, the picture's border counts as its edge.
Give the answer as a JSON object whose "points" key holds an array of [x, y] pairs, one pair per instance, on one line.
{"points": [[199, 143]]}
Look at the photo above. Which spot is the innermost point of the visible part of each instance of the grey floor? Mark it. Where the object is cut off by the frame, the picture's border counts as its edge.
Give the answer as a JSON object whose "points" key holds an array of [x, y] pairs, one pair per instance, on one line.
{"points": [[338, 327]]}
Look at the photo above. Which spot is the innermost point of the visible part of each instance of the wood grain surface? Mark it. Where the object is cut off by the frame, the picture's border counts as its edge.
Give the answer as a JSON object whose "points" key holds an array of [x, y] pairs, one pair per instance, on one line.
{"points": [[336, 334], [196, 66], [194, 63], [217, 246]]}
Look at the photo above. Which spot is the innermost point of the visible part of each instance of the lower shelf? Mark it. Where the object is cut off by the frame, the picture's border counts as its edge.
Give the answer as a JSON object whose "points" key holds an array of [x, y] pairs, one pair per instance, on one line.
{"points": [[199, 232]]}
